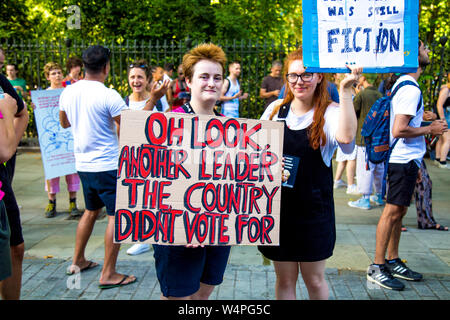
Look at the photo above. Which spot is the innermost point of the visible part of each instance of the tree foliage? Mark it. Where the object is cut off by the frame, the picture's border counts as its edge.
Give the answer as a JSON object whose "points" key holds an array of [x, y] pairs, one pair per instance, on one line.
{"points": [[152, 19]]}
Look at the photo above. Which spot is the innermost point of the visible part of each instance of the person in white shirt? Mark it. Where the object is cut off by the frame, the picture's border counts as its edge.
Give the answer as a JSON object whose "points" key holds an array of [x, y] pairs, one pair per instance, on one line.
{"points": [[404, 162], [93, 111]]}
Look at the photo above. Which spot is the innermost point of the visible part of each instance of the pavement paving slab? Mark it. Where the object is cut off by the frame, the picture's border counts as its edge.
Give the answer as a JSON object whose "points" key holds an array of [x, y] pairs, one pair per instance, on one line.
{"points": [[49, 245]]}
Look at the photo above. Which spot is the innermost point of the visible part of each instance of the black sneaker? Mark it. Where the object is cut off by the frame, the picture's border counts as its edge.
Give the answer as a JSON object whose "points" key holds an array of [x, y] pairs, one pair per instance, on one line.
{"points": [[400, 270], [380, 275]]}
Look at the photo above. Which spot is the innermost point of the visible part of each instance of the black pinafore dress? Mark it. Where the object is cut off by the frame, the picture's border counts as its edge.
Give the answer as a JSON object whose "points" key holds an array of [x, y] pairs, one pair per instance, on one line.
{"points": [[307, 220]]}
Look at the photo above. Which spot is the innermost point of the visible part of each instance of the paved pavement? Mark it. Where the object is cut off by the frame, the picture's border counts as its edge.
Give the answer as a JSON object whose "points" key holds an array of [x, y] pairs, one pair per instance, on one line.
{"points": [[49, 246]]}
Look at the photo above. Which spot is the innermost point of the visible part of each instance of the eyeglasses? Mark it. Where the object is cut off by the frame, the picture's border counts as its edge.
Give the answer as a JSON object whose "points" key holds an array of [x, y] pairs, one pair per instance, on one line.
{"points": [[142, 66], [293, 77]]}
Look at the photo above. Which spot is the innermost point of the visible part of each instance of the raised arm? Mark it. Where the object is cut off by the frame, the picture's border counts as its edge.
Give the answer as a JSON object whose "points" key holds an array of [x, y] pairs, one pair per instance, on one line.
{"points": [[346, 131]]}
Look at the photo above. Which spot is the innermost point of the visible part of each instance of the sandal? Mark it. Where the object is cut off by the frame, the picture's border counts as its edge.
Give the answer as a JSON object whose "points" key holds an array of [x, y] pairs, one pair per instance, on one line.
{"points": [[435, 227]]}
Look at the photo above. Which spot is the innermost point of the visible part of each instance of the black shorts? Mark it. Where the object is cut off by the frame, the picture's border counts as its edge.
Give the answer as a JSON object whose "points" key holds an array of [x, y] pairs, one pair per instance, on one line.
{"points": [[401, 181], [99, 190], [12, 209], [180, 270]]}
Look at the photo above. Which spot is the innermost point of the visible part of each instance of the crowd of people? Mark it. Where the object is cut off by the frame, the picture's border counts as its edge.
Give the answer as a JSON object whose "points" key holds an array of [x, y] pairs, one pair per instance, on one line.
{"points": [[320, 118]]}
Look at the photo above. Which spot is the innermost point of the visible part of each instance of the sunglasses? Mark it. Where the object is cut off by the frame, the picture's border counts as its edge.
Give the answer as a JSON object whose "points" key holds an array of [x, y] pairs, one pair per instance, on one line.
{"points": [[142, 66]]}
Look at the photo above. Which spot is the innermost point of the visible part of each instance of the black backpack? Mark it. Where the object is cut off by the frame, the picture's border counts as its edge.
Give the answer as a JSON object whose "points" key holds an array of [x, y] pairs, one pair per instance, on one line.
{"points": [[219, 103]]}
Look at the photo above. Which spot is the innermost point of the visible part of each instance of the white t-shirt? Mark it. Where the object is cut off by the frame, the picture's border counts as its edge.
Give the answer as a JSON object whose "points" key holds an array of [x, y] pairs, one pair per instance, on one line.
{"points": [[137, 105], [295, 122], [405, 102], [90, 108], [164, 102]]}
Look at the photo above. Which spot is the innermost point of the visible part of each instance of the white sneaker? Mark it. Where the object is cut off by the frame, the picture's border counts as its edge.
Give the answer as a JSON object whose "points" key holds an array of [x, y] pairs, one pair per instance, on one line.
{"points": [[352, 189], [138, 248], [361, 203], [339, 184], [443, 166]]}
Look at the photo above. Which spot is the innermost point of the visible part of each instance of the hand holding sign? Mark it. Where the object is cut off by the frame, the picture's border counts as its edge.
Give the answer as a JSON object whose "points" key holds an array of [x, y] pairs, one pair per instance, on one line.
{"points": [[351, 78]]}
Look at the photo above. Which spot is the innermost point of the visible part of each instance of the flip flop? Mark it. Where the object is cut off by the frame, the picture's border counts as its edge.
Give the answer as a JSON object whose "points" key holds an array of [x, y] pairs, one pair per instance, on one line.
{"points": [[404, 229], [90, 265], [118, 284]]}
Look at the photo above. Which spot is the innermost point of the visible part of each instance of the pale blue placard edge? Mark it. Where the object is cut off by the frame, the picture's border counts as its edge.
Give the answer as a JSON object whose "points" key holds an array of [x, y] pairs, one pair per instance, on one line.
{"points": [[311, 44], [50, 172]]}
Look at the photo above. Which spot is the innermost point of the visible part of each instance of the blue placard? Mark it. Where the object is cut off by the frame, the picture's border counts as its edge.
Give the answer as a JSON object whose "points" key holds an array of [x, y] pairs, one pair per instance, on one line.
{"points": [[56, 143], [380, 36]]}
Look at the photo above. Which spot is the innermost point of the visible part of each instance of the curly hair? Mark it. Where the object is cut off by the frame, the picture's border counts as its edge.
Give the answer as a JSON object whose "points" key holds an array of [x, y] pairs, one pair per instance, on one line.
{"points": [[321, 101], [51, 66], [205, 51]]}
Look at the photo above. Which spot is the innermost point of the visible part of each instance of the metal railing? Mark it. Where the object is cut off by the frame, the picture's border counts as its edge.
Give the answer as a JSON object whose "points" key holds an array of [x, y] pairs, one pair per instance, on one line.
{"points": [[256, 58]]}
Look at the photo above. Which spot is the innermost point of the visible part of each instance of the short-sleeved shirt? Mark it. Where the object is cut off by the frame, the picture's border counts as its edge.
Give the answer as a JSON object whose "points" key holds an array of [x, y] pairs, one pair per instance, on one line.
{"points": [[405, 102], [295, 122], [333, 91], [270, 84], [362, 102], [19, 82], [90, 108]]}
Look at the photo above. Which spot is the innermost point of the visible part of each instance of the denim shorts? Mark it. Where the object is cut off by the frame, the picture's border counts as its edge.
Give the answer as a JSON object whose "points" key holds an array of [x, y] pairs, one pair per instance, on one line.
{"points": [[401, 182], [99, 190], [180, 270]]}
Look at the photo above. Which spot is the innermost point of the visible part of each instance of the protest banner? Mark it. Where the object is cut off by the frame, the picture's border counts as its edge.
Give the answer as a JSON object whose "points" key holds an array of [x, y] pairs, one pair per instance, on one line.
{"points": [[380, 36], [197, 179], [56, 143]]}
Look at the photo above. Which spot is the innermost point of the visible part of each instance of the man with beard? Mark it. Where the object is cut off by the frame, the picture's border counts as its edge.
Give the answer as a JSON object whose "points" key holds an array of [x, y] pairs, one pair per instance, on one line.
{"points": [[405, 120]]}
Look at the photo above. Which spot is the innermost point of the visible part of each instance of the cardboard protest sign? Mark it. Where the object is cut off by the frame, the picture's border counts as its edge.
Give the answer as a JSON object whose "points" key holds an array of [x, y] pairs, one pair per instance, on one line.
{"points": [[198, 179], [56, 143], [381, 36]]}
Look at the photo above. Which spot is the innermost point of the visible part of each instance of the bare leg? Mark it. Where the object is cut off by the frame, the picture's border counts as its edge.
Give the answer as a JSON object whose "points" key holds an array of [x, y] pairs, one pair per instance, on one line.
{"points": [[203, 292], [445, 144], [313, 274], [340, 170], [351, 169], [390, 218], [287, 275], [84, 231], [10, 287], [109, 274], [394, 241]]}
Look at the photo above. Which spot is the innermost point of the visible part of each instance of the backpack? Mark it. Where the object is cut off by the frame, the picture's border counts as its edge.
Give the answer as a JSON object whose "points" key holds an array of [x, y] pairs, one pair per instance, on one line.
{"points": [[219, 103], [376, 130]]}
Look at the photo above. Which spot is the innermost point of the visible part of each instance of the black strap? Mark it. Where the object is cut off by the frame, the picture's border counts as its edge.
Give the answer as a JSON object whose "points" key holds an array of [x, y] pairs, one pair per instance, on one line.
{"points": [[229, 85], [406, 83], [187, 108]]}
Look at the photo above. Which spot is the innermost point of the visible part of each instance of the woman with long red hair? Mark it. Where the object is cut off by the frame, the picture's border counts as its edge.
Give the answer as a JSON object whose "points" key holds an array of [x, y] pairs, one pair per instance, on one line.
{"points": [[314, 127]]}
